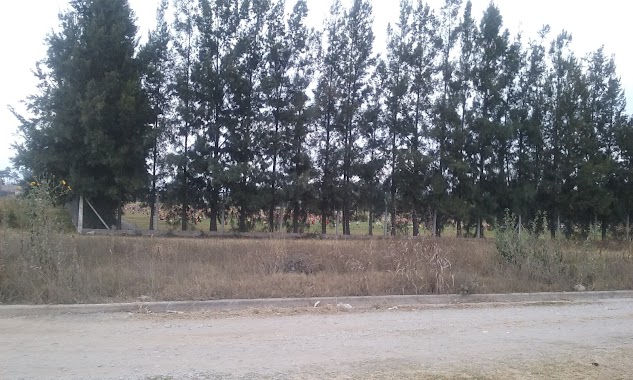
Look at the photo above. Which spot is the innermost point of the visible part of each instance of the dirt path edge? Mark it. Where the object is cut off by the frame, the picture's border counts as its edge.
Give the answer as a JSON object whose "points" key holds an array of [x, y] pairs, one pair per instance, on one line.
{"points": [[355, 302]]}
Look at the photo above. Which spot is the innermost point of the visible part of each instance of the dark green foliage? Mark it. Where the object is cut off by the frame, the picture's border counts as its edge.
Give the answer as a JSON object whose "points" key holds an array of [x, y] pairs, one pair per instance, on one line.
{"points": [[90, 117], [245, 107], [156, 60]]}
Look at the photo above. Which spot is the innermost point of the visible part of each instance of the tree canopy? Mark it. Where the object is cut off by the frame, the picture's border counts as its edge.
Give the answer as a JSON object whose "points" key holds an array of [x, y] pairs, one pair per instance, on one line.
{"points": [[238, 103], [89, 123]]}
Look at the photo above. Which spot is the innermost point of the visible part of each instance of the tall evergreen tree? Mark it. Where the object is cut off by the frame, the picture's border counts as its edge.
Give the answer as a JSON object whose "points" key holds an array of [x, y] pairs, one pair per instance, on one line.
{"points": [[487, 151], [244, 82], [185, 56], [297, 164], [156, 60], [327, 101], [216, 24], [446, 118], [90, 119], [372, 131], [461, 180], [357, 40], [397, 82], [527, 118], [563, 79]]}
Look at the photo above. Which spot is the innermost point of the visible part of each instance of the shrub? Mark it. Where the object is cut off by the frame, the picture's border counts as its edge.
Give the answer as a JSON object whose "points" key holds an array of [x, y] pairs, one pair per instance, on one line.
{"points": [[41, 267], [527, 250]]}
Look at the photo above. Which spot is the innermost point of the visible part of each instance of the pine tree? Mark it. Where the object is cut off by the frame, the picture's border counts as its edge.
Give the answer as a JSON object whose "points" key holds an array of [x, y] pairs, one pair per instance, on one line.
{"points": [[357, 40], [446, 113], [487, 151], [297, 164], [185, 49], [244, 82], [528, 117], [156, 62], [603, 112], [624, 170], [373, 150], [462, 185], [90, 118], [216, 24], [327, 101], [397, 82], [558, 128]]}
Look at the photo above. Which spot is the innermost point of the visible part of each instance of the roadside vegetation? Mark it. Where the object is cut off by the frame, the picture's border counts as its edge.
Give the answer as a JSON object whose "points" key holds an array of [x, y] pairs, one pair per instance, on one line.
{"points": [[41, 262]]}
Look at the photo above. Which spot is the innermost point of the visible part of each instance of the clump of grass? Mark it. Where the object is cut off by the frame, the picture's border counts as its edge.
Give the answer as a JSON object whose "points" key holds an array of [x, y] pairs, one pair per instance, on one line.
{"points": [[11, 215]]}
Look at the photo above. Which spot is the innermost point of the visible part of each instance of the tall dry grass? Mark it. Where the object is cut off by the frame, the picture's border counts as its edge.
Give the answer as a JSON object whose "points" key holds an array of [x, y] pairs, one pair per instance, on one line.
{"points": [[109, 269]]}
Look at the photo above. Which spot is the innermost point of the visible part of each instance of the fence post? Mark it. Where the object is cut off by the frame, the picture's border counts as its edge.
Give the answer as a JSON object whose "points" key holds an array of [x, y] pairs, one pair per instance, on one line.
{"points": [[80, 215]]}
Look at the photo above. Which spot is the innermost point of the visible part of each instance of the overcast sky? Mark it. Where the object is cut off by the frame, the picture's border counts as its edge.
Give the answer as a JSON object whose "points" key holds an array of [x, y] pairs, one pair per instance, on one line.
{"points": [[25, 23]]}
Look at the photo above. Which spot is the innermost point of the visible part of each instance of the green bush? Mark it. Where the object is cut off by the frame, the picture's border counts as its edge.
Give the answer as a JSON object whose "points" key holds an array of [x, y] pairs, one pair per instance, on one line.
{"points": [[528, 250]]}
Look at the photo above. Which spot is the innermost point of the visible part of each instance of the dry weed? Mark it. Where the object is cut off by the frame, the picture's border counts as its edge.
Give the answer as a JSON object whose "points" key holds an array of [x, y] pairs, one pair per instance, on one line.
{"points": [[110, 269]]}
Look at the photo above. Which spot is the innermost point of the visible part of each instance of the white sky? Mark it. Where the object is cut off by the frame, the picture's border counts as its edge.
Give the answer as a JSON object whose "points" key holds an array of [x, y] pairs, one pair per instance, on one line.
{"points": [[25, 23]]}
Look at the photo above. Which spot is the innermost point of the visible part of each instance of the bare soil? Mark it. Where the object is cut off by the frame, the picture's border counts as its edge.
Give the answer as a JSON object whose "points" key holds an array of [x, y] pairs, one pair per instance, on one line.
{"points": [[542, 341]]}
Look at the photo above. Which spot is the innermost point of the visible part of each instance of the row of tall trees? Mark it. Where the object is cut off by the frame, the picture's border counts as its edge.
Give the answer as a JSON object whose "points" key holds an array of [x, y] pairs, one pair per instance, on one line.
{"points": [[243, 104]]}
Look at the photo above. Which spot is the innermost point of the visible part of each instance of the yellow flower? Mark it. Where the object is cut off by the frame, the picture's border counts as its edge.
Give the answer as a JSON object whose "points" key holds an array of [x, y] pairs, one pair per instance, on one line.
{"points": [[63, 182], [33, 184], [69, 188]]}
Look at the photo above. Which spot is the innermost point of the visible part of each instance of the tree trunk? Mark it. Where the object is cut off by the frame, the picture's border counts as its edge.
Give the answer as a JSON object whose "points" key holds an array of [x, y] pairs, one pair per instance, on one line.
{"points": [[370, 220], [479, 232], [416, 223], [393, 218], [325, 196], [282, 220], [152, 205], [295, 217], [118, 216], [271, 214], [223, 218], [384, 226], [323, 222], [393, 184], [242, 221], [434, 233], [273, 184], [604, 229], [628, 225], [185, 208], [213, 215]]}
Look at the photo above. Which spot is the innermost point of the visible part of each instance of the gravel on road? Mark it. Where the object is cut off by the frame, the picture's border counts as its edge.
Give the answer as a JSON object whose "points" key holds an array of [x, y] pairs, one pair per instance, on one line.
{"points": [[538, 341]]}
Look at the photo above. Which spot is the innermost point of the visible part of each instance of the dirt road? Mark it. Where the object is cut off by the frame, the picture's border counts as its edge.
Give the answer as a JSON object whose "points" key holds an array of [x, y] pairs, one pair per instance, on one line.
{"points": [[564, 341]]}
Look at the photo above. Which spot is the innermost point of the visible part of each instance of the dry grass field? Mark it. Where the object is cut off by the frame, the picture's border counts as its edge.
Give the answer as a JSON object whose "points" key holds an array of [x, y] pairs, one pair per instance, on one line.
{"points": [[63, 268]]}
